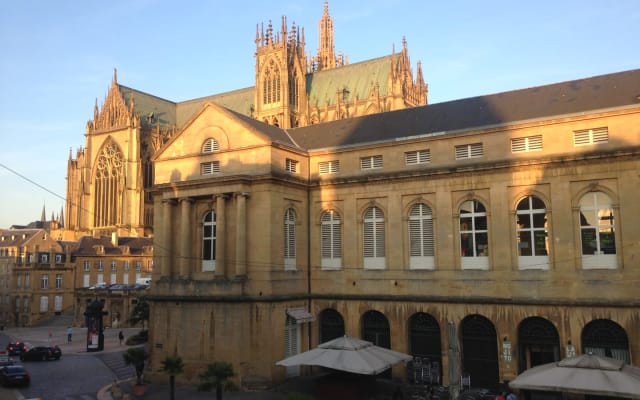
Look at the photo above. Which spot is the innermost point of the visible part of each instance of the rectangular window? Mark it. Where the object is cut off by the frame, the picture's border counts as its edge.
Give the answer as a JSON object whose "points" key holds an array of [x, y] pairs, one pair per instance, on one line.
{"points": [[100, 265], [27, 281], [18, 280], [126, 266], [44, 281], [526, 144], [466, 151], [138, 265], [329, 167], [209, 168], [58, 258], [417, 157], [291, 165], [591, 136], [44, 258], [114, 265], [371, 162], [58, 281], [87, 266]]}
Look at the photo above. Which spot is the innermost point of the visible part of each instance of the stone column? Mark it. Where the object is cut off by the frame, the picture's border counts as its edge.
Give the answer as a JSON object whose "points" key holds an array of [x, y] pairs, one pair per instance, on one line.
{"points": [[185, 237], [165, 243], [220, 236], [241, 235]]}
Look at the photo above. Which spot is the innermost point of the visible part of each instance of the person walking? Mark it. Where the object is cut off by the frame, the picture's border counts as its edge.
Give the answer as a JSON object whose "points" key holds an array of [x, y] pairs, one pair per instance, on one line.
{"points": [[121, 337], [69, 334]]}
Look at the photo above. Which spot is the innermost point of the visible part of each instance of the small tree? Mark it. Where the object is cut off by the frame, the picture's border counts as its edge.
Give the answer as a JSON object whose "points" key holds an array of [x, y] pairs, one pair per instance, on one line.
{"points": [[216, 375], [140, 312], [173, 366], [136, 356]]}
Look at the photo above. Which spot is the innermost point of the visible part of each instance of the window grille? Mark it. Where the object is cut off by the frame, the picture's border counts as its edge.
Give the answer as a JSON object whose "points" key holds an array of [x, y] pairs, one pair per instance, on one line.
{"points": [[373, 245], [526, 144], [465, 151], [420, 231], [417, 157], [591, 136], [331, 239], [291, 165], [371, 162], [209, 168], [210, 145], [329, 167], [290, 239]]}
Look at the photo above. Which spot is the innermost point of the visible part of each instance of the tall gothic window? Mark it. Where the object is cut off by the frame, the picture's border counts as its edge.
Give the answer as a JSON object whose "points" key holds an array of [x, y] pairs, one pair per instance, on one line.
{"points": [[271, 84], [293, 91], [109, 186]]}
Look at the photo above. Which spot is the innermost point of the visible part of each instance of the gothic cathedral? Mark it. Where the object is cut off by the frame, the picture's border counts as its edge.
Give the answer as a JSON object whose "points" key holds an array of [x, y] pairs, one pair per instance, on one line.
{"points": [[108, 180]]}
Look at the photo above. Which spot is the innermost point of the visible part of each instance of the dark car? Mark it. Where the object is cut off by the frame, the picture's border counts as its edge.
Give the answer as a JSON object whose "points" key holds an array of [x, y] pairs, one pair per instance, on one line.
{"points": [[14, 375], [42, 353], [16, 348]]}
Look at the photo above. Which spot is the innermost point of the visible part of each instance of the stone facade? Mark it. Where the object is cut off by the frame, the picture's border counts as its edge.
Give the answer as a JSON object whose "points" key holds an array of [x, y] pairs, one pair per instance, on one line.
{"points": [[508, 217]]}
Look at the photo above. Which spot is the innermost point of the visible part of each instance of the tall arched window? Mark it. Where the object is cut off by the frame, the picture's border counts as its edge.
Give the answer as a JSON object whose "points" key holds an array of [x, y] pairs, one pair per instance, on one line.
{"points": [[109, 187], [606, 338], [421, 237], [331, 325], [373, 237], [474, 235], [289, 239], [331, 239], [271, 84], [597, 231], [209, 242], [531, 230]]}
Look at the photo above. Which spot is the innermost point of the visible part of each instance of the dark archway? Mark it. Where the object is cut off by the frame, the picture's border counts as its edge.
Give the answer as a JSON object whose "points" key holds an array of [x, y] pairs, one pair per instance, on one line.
{"points": [[606, 338], [538, 343], [480, 351], [331, 325], [375, 329], [426, 343]]}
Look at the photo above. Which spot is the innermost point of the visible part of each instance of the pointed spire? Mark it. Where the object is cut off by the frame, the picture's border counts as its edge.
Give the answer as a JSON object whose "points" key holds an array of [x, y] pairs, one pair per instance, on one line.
{"points": [[61, 216], [43, 217], [115, 76]]}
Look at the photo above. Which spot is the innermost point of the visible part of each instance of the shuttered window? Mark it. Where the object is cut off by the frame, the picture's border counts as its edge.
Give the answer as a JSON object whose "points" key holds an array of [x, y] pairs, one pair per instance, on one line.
{"points": [[465, 151], [331, 237], [591, 136], [372, 162], [210, 145], [289, 239], [209, 168], [209, 234], [421, 242], [291, 165], [417, 157], [526, 144], [329, 167], [44, 304], [373, 245]]}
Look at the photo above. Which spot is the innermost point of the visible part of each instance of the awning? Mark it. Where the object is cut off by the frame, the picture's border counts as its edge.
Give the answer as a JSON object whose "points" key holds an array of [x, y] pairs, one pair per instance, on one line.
{"points": [[300, 314]]}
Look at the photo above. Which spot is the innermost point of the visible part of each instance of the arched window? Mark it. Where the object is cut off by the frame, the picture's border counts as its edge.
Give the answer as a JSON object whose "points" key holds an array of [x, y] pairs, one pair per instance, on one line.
{"points": [[474, 238], [210, 145], [531, 230], [331, 239], [109, 186], [606, 338], [597, 231], [373, 237], [271, 84], [209, 242], [289, 239], [480, 351], [421, 237], [293, 91], [331, 325]]}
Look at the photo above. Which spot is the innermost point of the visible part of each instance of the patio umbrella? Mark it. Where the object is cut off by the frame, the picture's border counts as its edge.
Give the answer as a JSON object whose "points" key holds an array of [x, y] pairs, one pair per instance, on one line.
{"points": [[585, 374], [348, 354]]}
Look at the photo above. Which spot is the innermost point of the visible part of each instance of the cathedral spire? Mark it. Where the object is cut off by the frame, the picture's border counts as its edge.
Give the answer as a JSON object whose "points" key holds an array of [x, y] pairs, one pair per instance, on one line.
{"points": [[326, 58], [43, 217]]}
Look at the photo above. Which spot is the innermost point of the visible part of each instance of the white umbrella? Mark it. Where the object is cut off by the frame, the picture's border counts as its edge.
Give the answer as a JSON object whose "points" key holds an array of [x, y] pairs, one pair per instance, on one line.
{"points": [[348, 354], [585, 374]]}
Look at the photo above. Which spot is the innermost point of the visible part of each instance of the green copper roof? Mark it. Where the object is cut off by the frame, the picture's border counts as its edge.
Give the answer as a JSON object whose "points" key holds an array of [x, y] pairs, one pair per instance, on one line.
{"points": [[357, 79], [240, 101]]}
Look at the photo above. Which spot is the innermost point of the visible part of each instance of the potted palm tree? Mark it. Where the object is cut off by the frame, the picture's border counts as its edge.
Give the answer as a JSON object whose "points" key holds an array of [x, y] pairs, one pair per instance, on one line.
{"points": [[173, 366], [216, 376], [136, 356]]}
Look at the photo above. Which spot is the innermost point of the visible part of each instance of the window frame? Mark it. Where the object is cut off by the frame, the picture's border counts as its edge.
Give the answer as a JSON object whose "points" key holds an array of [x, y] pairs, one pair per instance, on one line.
{"points": [[371, 162], [209, 234], [469, 151], [209, 146], [526, 144], [330, 240], [417, 157], [475, 233], [600, 258], [421, 237], [329, 167], [526, 224], [290, 239], [373, 239]]}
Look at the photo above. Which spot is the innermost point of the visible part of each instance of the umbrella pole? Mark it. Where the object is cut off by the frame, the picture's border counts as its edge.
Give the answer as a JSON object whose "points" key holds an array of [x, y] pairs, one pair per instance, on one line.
{"points": [[454, 362]]}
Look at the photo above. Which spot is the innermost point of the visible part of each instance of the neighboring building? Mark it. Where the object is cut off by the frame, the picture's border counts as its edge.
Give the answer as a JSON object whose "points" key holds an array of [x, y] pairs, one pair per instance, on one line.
{"points": [[109, 179], [513, 217], [36, 277], [101, 263]]}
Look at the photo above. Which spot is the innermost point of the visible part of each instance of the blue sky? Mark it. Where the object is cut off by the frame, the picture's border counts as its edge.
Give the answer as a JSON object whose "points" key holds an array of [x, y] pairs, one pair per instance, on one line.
{"points": [[58, 57]]}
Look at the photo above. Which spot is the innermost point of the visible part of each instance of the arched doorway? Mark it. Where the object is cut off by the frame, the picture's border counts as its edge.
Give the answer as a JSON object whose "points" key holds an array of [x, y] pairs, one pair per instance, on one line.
{"points": [[606, 338], [425, 342], [538, 343], [480, 351], [375, 329], [331, 325]]}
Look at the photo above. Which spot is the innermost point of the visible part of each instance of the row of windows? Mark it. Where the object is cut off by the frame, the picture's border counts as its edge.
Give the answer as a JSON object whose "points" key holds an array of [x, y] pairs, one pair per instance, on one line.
{"points": [[597, 235], [99, 264], [44, 281], [44, 304], [86, 279]]}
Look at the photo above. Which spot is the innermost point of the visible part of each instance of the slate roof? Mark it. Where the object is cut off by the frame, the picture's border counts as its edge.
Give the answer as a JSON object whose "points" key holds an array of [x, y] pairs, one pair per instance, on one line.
{"points": [[582, 95], [14, 237], [87, 245]]}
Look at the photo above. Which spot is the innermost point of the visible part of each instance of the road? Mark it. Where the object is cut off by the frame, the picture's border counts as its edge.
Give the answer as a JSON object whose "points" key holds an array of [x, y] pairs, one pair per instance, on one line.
{"points": [[78, 375]]}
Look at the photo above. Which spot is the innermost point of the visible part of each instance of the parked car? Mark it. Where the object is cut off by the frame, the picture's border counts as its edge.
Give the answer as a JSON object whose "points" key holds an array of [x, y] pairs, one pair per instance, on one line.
{"points": [[14, 375], [42, 353], [17, 348]]}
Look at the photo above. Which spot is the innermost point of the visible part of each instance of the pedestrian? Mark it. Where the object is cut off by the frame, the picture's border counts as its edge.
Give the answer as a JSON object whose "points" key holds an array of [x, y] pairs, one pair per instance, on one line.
{"points": [[69, 334], [512, 396], [121, 337]]}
